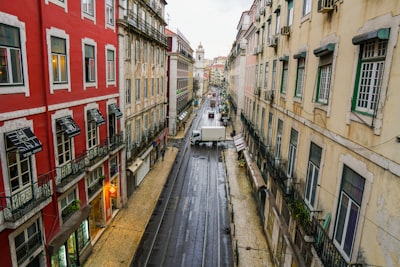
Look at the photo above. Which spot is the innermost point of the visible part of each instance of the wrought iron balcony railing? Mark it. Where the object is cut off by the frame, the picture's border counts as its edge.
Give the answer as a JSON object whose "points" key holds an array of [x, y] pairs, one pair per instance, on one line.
{"points": [[145, 28], [26, 249], [30, 197], [116, 141], [70, 171], [96, 153]]}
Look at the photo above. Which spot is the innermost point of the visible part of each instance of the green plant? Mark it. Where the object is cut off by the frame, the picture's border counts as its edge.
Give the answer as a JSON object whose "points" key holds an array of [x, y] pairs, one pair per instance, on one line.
{"points": [[72, 207], [300, 212]]}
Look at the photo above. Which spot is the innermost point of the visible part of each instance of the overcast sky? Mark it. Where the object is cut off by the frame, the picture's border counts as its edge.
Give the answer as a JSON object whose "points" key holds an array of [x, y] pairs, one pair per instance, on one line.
{"points": [[211, 22]]}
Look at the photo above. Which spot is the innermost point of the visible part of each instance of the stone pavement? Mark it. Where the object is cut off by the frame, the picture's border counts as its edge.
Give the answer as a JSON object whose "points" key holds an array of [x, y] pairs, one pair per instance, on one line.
{"points": [[119, 241]]}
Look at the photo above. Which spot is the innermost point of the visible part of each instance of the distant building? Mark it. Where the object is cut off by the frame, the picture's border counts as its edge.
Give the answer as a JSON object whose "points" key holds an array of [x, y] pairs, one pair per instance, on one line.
{"points": [[199, 70], [180, 80]]}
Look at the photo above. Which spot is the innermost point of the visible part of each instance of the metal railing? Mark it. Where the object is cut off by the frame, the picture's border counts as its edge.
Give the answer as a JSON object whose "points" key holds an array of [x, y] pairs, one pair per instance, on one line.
{"points": [[26, 249], [116, 140], [69, 171], [17, 205], [145, 28]]}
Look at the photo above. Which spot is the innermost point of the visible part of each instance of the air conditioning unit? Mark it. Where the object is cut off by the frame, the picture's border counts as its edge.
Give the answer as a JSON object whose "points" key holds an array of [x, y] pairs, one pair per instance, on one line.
{"points": [[285, 30], [325, 6], [273, 41]]}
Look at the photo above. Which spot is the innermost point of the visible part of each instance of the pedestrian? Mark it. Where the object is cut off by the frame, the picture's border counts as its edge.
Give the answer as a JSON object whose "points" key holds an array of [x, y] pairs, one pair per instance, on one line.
{"points": [[162, 154]]}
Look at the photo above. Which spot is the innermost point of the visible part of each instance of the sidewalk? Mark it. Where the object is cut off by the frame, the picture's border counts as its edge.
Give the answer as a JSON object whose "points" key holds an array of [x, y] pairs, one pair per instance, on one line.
{"points": [[117, 245]]}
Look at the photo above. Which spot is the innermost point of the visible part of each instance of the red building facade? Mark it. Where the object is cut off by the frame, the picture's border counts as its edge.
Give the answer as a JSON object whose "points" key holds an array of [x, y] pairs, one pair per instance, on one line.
{"points": [[61, 142]]}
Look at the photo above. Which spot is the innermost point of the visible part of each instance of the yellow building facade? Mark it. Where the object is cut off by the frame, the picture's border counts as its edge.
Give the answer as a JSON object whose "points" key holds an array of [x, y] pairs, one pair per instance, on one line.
{"points": [[322, 128]]}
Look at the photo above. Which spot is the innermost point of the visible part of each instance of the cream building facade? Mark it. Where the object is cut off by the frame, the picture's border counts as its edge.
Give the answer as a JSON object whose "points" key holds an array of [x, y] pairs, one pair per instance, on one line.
{"points": [[143, 79], [321, 127]]}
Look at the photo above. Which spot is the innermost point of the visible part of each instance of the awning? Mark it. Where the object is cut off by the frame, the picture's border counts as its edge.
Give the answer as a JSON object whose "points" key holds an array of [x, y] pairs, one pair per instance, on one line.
{"points": [[25, 141], [68, 228], [69, 126], [240, 147], [135, 165], [97, 117], [114, 109], [257, 181], [382, 34], [300, 55], [284, 58], [325, 49], [239, 142]]}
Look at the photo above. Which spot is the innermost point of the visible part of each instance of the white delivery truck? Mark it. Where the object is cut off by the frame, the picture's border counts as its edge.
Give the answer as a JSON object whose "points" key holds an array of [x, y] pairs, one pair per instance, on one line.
{"points": [[208, 134]]}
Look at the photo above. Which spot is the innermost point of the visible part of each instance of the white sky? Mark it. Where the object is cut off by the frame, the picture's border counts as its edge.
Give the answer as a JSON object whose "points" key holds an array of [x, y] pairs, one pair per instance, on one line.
{"points": [[209, 22]]}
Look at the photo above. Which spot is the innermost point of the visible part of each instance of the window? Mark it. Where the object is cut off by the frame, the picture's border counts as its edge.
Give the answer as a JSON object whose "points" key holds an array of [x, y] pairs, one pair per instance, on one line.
{"points": [[90, 64], [59, 60], [152, 86], [88, 7], [94, 119], [300, 78], [128, 91], [64, 152], [26, 242], [68, 205], [127, 45], [314, 162], [273, 82], [138, 130], [324, 79], [266, 76], [146, 81], [284, 76], [137, 90], [113, 166], [278, 21], [20, 144], [145, 52], [292, 152], [129, 144], [369, 76], [278, 140], [306, 7], [10, 56], [110, 65], [290, 13], [351, 193], [269, 131], [95, 181], [137, 50], [110, 12]]}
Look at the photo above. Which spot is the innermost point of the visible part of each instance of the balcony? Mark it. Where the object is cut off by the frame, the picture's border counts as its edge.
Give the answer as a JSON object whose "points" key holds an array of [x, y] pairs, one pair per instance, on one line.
{"points": [[25, 250], [69, 174], [116, 141], [96, 154], [19, 207], [134, 22]]}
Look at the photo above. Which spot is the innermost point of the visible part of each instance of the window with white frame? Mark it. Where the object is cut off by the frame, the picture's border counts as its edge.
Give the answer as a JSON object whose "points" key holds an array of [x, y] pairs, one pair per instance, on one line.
{"points": [[128, 93], [306, 7], [110, 65], [348, 211], [129, 143], [90, 63], [11, 65], [273, 82], [137, 90], [27, 242], [88, 7], [369, 76], [266, 76], [314, 162], [128, 48], [94, 119], [68, 205], [300, 77], [59, 60], [113, 166], [146, 93], [64, 151], [152, 86], [290, 13], [269, 131], [145, 52], [138, 132], [94, 181], [285, 68], [137, 50], [278, 141], [278, 21], [145, 124], [292, 152], [110, 12], [324, 82]]}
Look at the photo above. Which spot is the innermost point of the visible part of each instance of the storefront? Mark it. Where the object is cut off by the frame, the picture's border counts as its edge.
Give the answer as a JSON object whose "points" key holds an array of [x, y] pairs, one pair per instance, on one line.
{"points": [[96, 219], [72, 246]]}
